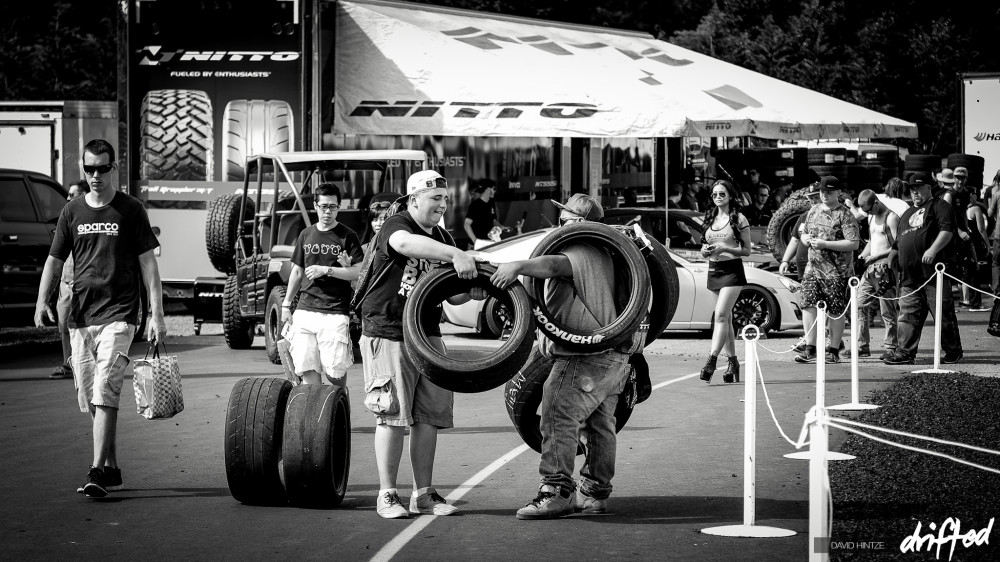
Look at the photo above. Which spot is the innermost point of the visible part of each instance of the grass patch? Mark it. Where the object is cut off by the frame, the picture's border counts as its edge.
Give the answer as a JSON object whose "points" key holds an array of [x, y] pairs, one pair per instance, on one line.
{"points": [[886, 491]]}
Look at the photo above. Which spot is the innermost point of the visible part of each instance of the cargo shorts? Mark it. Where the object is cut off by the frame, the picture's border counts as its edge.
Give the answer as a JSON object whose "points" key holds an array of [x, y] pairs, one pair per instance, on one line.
{"points": [[396, 392], [98, 372]]}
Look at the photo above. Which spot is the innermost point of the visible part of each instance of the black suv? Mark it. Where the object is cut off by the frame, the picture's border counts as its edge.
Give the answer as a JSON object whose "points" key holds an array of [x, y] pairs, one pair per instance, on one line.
{"points": [[30, 204]]}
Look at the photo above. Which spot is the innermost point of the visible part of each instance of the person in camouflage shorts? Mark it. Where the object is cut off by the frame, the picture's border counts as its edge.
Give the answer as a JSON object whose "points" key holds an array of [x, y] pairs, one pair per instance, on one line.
{"points": [[832, 235]]}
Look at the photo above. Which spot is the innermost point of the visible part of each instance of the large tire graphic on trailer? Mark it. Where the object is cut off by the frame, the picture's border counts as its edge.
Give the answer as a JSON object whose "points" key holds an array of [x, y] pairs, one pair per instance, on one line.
{"points": [[779, 230], [272, 327], [238, 330], [523, 397], [254, 127], [627, 256], [316, 445], [254, 421], [176, 136], [457, 374], [221, 227]]}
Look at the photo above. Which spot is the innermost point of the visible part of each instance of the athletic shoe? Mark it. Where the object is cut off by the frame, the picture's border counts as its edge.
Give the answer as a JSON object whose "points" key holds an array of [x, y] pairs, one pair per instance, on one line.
{"points": [[887, 354], [864, 351], [898, 359], [832, 355], [551, 502], [952, 357], [430, 503], [800, 347], [112, 477], [587, 504], [807, 356], [94, 488], [388, 506], [62, 372]]}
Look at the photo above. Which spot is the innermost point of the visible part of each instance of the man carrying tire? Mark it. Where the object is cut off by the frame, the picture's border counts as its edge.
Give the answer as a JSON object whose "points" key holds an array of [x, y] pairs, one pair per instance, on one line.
{"points": [[320, 338], [583, 388], [109, 237], [409, 245]]}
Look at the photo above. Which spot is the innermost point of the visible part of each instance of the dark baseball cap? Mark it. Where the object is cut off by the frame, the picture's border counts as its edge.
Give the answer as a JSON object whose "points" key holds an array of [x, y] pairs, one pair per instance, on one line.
{"points": [[919, 179], [582, 205], [829, 183]]}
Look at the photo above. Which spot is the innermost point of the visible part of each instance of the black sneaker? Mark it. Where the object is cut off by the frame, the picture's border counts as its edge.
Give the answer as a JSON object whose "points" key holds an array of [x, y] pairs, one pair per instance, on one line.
{"points": [[112, 477], [952, 357], [94, 488], [807, 356], [864, 351], [832, 355], [800, 347], [898, 359]]}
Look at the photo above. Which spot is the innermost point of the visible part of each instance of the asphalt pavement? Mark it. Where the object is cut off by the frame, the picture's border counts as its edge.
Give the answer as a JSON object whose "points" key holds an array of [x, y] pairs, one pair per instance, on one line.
{"points": [[679, 468]]}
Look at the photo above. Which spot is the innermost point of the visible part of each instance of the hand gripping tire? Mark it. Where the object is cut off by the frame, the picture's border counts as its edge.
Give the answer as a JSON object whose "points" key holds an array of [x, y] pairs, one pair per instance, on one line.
{"points": [[455, 373], [523, 398], [220, 230], [254, 421], [316, 448], [625, 255]]}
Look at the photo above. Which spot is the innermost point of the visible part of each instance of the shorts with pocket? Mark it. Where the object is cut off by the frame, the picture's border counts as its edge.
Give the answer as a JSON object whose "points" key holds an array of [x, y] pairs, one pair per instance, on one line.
{"points": [[396, 392], [97, 371], [321, 342], [832, 291]]}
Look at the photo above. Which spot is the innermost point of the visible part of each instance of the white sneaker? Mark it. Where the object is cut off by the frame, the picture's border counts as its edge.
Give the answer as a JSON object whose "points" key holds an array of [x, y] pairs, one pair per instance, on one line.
{"points": [[430, 503], [388, 506], [587, 504], [551, 502]]}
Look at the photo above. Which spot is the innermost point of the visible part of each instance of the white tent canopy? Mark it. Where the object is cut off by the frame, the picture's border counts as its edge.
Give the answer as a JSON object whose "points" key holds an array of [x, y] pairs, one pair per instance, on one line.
{"points": [[404, 69]]}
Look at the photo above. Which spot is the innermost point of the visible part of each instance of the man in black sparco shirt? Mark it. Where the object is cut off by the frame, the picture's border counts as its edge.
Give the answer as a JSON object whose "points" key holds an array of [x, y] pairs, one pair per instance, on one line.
{"points": [[925, 238], [109, 237], [320, 339], [410, 244]]}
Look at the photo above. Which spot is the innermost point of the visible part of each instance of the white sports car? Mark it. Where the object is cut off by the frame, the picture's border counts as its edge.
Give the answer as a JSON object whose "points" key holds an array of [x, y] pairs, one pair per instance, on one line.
{"points": [[770, 301]]}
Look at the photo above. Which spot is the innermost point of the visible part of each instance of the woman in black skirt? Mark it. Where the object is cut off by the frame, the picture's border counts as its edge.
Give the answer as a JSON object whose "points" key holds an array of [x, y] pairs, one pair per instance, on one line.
{"points": [[727, 238]]}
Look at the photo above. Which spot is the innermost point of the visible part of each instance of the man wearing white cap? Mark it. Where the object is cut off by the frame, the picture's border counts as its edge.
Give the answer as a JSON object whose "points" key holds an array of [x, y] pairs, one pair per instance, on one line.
{"points": [[409, 244]]}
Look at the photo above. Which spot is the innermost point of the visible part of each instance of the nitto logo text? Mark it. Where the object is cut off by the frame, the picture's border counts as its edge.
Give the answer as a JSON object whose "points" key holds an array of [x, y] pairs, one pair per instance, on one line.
{"points": [[155, 55], [471, 110]]}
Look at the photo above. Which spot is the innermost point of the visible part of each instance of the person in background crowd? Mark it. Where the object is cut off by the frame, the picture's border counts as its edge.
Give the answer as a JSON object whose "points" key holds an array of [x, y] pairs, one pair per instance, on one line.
{"points": [[959, 200], [64, 304], [326, 259], [976, 216], [750, 190], [726, 233], [689, 199], [582, 391], [832, 235], [481, 215], [925, 237], [378, 207], [108, 234], [993, 218], [759, 213], [409, 245], [878, 279]]}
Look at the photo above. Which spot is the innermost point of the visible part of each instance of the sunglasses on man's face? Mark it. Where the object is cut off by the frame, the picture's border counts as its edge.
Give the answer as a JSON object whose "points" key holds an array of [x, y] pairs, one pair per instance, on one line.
{"points": [[103, 169]]}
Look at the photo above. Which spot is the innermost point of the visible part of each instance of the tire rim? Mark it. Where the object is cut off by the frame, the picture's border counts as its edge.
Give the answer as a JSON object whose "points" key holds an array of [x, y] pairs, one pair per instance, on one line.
{"points": [[751, 308]]}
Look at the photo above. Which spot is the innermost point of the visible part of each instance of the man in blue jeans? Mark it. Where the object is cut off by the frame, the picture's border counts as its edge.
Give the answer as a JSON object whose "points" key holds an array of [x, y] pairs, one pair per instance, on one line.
{"points": [[926, 232], [581, 394]]}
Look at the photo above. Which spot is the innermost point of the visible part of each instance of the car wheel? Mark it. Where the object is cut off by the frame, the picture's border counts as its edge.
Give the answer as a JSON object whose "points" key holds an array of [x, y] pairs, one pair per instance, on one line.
{"points": [[756, 306], [627, 256], [239, 331], [483, 372], [254, 421], [272, 324], [495, 318], [316, 445]]}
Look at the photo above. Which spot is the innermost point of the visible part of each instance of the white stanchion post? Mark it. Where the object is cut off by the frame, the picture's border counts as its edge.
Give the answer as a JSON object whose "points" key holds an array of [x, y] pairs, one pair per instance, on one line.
{"points": [[749, 528], [819, 441], [938, 322], [855, 403], [820, 386]]}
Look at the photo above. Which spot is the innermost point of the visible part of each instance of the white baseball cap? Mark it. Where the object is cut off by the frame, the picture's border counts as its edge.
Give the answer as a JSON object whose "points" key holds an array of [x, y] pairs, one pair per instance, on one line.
{"points": [[424, 180]]}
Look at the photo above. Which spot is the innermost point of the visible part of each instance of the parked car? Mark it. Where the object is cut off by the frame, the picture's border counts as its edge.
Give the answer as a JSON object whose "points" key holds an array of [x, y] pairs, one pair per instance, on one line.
{"points": [[30, 204], [769, 300]]}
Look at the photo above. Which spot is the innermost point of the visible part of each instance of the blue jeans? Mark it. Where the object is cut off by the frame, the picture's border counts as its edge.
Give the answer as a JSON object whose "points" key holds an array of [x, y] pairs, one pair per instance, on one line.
{"points": [[582, 390], [913, 310], [888, 308]]}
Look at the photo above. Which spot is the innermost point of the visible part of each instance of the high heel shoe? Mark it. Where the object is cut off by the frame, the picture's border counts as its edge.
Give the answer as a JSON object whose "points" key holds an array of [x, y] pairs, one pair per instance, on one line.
{"points": [[709, 369], [733, 371]]}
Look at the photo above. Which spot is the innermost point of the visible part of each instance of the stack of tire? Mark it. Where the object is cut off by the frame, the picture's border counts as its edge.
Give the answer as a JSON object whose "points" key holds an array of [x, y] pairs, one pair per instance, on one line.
{"points": [[776, 166], [974, 164], [221, 228], [886, 160], [860, 178], [828, 161], [287, 444], [926, 163]]}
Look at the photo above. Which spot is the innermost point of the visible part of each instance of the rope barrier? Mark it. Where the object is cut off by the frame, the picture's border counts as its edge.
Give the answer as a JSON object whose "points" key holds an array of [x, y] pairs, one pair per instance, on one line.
{"points": [[767, 400], [963, 283]]}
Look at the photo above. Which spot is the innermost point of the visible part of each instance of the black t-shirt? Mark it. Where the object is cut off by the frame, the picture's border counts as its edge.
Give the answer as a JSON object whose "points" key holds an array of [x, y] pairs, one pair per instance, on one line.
{"points": [[382, 310], [918, 228], [482, 213], [106, 244], [757, 217], [326, 294]]}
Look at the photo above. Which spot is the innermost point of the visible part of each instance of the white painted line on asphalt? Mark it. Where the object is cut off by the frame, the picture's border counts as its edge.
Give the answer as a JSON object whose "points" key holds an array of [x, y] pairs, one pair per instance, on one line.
{"points": [[395, 545], [387, 552]]}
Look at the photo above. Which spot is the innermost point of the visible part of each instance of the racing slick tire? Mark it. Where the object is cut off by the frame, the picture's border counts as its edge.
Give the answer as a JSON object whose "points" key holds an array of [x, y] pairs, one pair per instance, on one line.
{"points": [[176, 136], [221, 227], [627, 255], [253, 443], [454, 372], [316, 445], [523, 398], [239, 332], [254, 127]]}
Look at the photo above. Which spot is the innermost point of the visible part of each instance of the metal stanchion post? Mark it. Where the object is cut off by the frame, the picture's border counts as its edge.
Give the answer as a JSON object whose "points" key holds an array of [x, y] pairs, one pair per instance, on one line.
{"points": [[749, 528], [938, 322], [819, 441], [820, 387], [855, 403]]}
